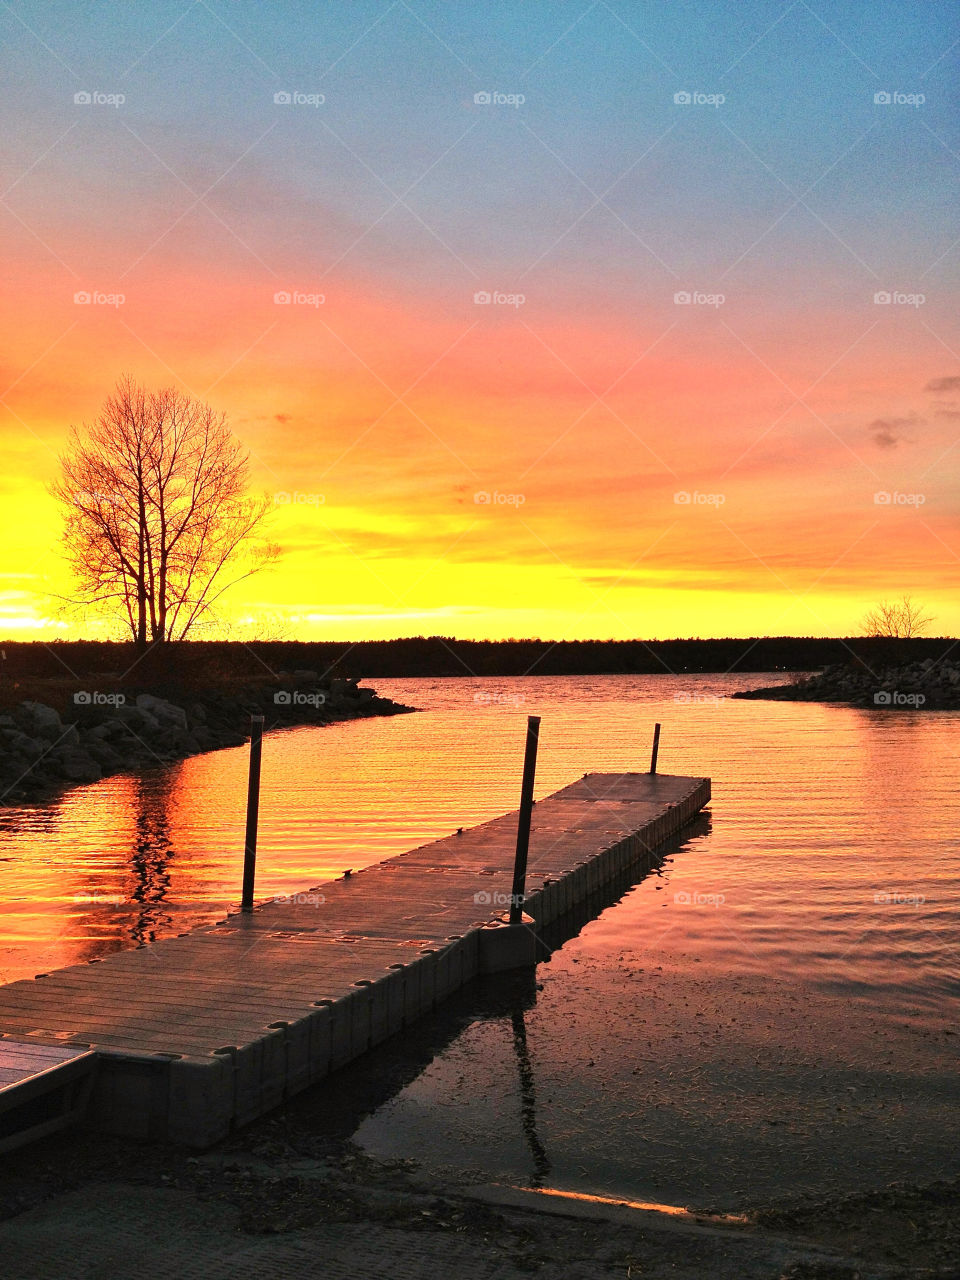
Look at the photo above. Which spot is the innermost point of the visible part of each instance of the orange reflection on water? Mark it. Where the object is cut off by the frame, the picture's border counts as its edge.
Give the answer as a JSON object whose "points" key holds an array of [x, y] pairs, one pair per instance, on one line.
{"points": [[831, 855]]}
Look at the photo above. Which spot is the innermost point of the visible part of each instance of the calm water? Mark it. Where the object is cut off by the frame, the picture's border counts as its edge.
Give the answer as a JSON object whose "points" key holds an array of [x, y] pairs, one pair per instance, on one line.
{"points": [[772, 1011], [831, 854]]}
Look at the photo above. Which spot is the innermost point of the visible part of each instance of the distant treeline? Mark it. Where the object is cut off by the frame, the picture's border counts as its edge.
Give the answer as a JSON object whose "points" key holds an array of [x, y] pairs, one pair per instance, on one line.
{"points": [[445, 656]]}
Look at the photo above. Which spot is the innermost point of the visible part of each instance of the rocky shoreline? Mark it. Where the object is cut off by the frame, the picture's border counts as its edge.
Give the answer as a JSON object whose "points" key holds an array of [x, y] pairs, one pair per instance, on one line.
{"points": [[105, 732], [917, 686]]}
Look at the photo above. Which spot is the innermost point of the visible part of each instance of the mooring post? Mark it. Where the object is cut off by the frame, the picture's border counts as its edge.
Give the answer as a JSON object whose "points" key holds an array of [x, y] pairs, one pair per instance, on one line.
{"points": [[253, 813], [523, 824], [656, 747]]}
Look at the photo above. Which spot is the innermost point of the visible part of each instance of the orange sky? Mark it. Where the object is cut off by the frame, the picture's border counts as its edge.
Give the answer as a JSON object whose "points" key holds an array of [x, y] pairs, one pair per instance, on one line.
{"points": [[379, 417]]}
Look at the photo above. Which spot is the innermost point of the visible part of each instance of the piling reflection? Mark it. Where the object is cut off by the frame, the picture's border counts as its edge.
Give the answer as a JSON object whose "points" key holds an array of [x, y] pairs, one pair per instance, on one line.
{"points": [[336, 1110], [528, 1101]]}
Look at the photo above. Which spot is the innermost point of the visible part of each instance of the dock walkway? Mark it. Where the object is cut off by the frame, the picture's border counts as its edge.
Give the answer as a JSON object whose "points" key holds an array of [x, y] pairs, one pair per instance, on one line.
{"points": [[199, 1033]]}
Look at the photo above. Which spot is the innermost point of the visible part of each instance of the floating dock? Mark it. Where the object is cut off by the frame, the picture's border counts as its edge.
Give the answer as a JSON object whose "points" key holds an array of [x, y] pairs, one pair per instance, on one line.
{"points": [[191, 1036]]}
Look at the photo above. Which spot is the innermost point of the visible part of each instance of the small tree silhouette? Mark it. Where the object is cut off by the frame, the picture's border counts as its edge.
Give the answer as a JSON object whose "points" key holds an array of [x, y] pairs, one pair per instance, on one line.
{"points": [[157, 520], [900, 619]]}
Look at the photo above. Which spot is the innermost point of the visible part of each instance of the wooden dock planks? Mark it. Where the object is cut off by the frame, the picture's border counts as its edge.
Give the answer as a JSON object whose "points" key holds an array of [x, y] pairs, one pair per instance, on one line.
{"points": [[212, 1028]]}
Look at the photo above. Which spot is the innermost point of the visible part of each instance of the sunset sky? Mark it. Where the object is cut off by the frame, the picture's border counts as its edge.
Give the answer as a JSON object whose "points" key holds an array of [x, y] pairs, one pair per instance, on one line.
{"points": [[585, 455]]}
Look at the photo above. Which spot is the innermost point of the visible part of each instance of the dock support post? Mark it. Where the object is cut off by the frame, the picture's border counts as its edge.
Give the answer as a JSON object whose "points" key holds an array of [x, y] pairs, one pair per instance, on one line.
{"points": [[253, 813], [656, 747], [523, 824]]}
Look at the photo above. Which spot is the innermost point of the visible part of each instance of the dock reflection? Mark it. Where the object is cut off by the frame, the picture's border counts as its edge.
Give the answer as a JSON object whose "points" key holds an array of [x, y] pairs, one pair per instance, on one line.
{"points": [[330, 1113]]}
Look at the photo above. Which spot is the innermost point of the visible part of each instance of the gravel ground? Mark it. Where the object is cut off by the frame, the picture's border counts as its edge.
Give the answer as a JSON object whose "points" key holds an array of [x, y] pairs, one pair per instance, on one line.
{"points": [[275, 1201]]}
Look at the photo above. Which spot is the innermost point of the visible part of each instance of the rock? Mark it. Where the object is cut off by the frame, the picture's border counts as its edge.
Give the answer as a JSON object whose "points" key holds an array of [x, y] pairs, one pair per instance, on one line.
{"points": [[306, 677], [25, 745], [78, 766], [110, 761], [165, 712], [43, 719]]}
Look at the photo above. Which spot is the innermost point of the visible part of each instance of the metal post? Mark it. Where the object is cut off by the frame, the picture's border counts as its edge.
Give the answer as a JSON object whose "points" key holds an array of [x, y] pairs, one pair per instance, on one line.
{"points": [[253, 813], [523, 824], [656, 747]]}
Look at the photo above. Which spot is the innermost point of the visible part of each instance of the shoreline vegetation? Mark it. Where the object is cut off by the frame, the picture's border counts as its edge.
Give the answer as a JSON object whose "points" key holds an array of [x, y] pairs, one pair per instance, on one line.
{"points": [[210, 661], [60, 733]]}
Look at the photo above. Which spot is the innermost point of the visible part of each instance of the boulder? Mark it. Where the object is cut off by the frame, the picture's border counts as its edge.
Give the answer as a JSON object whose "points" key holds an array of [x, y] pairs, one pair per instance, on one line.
{"points": [[78, 766], [24, 744], [43, 719], [164, 712]]}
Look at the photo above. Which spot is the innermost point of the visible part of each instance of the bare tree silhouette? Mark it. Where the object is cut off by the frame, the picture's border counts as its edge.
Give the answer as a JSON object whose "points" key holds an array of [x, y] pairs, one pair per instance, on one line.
{"points": [[158, 523], [899, 619]]}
